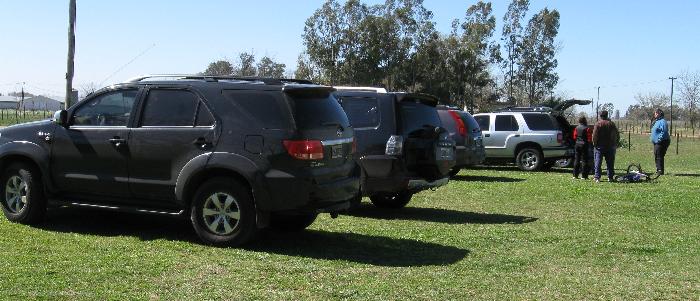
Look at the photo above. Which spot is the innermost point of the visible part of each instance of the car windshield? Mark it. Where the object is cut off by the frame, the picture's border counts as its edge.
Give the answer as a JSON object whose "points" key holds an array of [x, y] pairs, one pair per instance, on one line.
{"points": [[415, 116]]}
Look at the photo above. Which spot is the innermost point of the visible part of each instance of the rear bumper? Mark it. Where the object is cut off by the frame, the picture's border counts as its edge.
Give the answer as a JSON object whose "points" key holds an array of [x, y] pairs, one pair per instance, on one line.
{"points": [[470, 156], [387, 174], [290, 193]]}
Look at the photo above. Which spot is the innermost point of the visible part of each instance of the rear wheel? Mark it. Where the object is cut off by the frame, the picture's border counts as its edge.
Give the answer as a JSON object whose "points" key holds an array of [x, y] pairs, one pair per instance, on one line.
{"points": [[292, 223], [223, 213], [564, 163], [392, 201], [22, 194], [529, 159]]}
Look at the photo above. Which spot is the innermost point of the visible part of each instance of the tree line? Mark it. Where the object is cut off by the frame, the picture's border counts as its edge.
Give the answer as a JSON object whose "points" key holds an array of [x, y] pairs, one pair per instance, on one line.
{"points": [[396, 45], [685, 101]]}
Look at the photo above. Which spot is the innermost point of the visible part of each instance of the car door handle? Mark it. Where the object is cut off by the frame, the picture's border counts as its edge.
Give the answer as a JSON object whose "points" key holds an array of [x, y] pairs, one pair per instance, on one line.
{"points": [[117, 142], [487, 135], [518, 135]]}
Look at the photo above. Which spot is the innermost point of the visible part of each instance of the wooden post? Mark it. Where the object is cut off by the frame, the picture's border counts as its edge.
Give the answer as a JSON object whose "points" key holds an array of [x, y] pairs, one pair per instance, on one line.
{"points": [[71, 53], [629, 141], [677, 138]]}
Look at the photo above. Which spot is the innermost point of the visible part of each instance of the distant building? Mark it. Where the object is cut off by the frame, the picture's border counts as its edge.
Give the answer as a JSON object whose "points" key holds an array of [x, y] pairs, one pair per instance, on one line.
{"points": [[36, 103]]}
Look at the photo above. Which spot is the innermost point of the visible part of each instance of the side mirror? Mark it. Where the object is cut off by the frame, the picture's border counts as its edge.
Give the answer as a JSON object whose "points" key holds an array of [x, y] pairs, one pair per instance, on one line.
{"points": [[61, 118]]}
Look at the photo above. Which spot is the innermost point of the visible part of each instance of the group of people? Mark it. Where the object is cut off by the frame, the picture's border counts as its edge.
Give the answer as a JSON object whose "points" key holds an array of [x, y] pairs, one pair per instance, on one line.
{"points": [[604, 138]]}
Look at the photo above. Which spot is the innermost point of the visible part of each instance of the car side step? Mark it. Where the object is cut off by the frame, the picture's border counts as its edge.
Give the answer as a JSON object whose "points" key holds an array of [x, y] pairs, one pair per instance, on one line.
{"points": [[129, 209]]}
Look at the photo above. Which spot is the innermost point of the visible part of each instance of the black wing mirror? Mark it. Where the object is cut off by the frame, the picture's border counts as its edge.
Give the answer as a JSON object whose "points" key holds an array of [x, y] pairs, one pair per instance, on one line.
{"points": [[61, 118]]}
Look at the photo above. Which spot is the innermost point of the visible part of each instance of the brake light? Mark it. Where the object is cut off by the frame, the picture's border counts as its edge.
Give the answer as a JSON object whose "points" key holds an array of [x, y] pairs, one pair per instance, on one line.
{"points": [[461, 129], [560, 138], [304, 149], [394, 146]]}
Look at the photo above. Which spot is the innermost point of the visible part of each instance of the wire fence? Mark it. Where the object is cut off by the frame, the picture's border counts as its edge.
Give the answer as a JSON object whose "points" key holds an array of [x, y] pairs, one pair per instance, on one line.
{"points": [[14, 116]]}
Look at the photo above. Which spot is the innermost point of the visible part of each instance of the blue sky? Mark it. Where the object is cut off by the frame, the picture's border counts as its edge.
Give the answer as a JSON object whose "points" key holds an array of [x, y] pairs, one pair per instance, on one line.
{"points": [[626, 47]]}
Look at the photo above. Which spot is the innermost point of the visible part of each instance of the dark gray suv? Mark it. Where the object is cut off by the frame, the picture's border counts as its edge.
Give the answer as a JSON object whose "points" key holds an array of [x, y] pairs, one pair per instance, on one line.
{"points": [[233, 154]]}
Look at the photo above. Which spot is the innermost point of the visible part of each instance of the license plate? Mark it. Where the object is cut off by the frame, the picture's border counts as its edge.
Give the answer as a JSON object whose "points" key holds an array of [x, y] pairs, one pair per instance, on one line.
{"points": [[336, 151]]}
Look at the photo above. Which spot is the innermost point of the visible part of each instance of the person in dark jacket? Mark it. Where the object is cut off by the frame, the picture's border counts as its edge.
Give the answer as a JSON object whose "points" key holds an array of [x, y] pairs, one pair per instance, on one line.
{"points": [[661, 139], [605, 141], [583, 137]]}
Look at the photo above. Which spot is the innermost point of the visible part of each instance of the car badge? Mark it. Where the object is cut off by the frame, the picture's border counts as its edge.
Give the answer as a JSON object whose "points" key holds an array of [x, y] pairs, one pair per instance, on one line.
{"points": [[340, 131]]}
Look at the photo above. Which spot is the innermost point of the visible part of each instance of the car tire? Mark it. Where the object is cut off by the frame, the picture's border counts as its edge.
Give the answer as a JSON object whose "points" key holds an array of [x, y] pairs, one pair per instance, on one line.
{"points": [[454, 171], [223, 213], [529, 159], [291, 223], [564, 163], [391, 200], [22, 194]]}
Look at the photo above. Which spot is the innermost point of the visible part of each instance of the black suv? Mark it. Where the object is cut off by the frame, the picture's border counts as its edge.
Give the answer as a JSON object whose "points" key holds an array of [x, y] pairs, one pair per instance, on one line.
{"points": [[466, 133], [402, 146], [235, 154]]}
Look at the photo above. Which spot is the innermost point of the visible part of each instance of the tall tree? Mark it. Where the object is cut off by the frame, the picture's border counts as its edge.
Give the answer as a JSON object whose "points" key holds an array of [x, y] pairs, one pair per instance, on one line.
{"points": [[512, 35], [219, 68], [269, 68], [537, 56], [246, 65], [323, 38], [690, 92]]}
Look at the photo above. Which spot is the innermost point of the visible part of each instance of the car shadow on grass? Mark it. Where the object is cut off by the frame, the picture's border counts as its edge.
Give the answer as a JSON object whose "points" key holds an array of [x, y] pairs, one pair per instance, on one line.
{"points": [[317, 244], [358, 248], [515, 168], [468, 178], [438, 215]]}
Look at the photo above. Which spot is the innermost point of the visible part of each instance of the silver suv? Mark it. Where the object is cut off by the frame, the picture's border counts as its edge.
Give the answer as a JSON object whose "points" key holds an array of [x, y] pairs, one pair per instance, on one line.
{"points": [[534, 137]]}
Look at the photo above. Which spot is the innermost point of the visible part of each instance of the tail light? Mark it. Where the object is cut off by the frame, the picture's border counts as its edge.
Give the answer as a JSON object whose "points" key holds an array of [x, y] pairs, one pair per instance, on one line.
{"points": [[560, 138], [394, 146], [304, 149], [461, 128]]}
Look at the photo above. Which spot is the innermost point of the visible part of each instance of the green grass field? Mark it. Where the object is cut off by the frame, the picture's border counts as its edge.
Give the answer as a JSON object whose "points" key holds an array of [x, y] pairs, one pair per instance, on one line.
{"points": [[493, 234]]}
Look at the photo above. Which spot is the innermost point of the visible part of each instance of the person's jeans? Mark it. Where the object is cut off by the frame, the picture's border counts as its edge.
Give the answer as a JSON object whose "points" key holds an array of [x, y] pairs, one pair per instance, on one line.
{"points": [[609, 155], [579, 166], [659, 153]]}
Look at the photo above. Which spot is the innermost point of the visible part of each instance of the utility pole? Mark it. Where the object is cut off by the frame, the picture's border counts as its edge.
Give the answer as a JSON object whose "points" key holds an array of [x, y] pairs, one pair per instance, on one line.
{"points": [[71, 53], [597, 105], [670, 111]]}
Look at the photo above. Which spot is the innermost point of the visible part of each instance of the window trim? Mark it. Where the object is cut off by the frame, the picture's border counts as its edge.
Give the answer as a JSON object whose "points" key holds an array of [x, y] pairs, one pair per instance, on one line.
{"points": [[512, 117], [134, 108], [138, 123]]}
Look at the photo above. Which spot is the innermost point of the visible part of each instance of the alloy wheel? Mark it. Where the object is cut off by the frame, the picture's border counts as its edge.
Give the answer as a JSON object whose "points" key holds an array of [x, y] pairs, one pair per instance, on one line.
{"points": [[16, 194], [221, 213]]}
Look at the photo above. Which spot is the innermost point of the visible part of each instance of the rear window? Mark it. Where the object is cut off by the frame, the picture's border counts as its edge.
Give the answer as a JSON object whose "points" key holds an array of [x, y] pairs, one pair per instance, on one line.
{"points": [[539, 122], [316, 110], [267, 108], [363, 112], [415, 115]]}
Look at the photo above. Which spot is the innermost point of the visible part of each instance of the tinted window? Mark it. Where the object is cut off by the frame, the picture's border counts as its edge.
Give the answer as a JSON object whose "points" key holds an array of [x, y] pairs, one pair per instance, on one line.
{"points": [[506, 123], [539, 122], [169, 108], [484, 122], [268, 109], [363, 112], [204, 117], [110, 109], [316, 110], [415, 115]]}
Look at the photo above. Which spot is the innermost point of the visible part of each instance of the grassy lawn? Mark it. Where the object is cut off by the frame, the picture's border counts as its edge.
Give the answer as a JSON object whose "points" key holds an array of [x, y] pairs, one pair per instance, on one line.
{"points": [[12, 117], [493, 233]]}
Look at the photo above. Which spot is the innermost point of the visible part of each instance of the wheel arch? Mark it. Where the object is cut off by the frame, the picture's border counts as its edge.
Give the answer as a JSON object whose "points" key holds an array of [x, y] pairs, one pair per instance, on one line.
{"points": [[526, 144], [28, 153]]}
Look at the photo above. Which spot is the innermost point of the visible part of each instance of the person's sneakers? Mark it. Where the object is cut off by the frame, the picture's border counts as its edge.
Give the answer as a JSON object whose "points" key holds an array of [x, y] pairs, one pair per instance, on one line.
{"points": [[597, 180], [574, 178]]}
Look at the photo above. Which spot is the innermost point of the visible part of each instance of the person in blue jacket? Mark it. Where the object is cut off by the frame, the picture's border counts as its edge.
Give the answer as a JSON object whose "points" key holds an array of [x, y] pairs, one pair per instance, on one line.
{"points": [[661, 139]]}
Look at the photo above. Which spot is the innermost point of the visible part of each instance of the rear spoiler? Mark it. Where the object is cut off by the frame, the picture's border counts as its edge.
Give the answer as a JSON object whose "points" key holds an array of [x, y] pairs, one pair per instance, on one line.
{"points": [[307, 89], [423, 98]]}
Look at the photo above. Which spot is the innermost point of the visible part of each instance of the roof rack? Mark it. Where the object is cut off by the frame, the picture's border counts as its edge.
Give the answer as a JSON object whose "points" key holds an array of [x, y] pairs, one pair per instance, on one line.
{"points": [[361, 89], [216, 78], [524, 109]]}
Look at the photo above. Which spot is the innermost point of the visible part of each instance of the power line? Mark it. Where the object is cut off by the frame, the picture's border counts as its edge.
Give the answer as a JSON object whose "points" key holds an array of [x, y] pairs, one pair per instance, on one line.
{"points": [[127, 64]]}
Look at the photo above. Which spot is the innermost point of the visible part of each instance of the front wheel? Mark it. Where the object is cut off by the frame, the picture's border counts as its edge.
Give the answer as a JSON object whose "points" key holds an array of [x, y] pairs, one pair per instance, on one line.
{"points": [[529, 159], [22, 194], [223, 213], [392, 201]]}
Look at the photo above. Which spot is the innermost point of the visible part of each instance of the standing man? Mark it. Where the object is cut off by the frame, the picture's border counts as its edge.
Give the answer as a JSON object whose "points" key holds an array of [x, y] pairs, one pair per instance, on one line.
{"points": [[661, 139], [605, 141]]}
